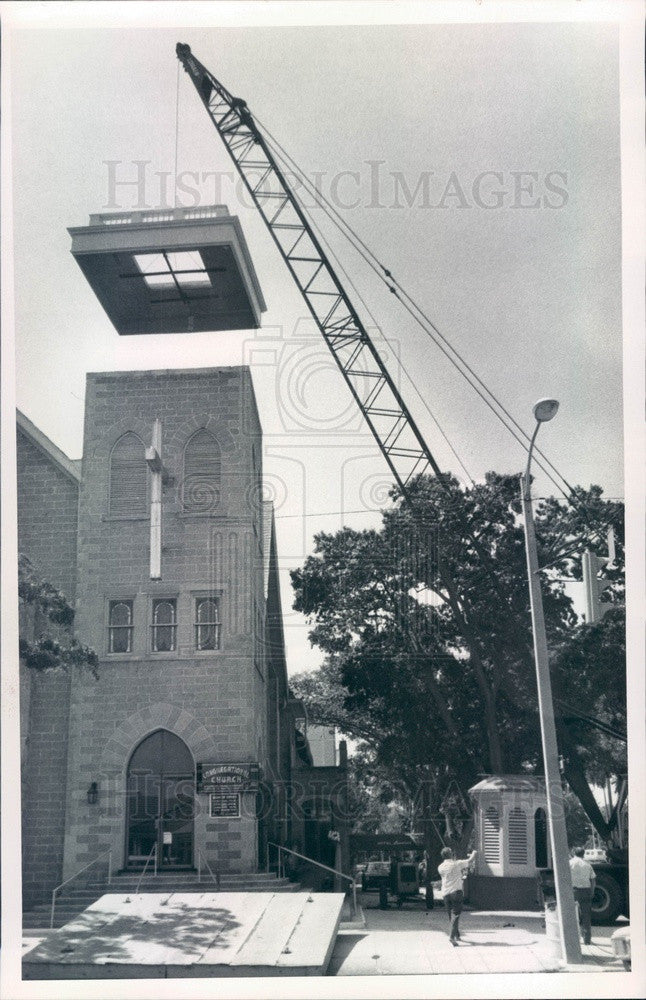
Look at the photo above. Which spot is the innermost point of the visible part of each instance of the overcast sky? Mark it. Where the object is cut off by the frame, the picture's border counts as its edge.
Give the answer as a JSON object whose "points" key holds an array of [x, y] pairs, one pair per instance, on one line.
{"points": [[483, 169]]}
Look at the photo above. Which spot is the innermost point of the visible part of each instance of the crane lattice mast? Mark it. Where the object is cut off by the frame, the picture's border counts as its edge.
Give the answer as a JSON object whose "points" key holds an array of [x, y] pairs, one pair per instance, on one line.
{"points": [[375, 392]]}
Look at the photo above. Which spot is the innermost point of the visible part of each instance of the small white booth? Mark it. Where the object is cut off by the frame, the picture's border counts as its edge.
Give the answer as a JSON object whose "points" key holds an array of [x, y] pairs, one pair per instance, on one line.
{"points": [[512, 841]]}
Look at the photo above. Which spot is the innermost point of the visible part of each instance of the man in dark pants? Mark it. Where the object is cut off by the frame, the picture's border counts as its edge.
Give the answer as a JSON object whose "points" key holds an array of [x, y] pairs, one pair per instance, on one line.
{"points": [[425, 880], [583, 879], [452, 872]]}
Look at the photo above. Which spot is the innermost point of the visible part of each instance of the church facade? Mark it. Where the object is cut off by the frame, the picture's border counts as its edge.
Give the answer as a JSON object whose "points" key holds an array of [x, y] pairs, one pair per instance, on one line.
{"points": [[185, 748]]}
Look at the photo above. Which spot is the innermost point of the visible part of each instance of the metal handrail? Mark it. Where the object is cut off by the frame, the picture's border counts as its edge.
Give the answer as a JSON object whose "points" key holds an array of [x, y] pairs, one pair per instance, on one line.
{"points": [[216, 877], [75, 875], [153, 851], [319, 864]]}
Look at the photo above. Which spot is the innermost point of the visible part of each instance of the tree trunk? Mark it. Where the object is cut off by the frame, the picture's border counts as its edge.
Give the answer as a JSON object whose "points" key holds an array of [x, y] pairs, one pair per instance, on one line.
{"points": [[490, 717]]}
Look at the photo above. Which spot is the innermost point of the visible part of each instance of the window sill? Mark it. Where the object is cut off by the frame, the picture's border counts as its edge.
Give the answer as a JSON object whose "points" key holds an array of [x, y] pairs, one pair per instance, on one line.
{"points": [[202, 514], [197, 654], [125, 517]]}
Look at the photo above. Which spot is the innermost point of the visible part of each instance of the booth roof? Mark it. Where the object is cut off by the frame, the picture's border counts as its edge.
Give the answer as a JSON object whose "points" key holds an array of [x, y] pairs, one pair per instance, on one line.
{"points": [[509, 783]]}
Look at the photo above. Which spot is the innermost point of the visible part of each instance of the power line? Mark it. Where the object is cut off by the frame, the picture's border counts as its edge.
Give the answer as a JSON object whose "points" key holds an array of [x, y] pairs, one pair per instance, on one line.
{"points": [[432, 331], [591, 720], [332, 513], [420, 317], [374, 510]]}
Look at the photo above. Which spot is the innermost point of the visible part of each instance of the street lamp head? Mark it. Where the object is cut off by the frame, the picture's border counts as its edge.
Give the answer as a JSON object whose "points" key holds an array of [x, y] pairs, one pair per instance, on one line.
{"points": [[545, 409]]}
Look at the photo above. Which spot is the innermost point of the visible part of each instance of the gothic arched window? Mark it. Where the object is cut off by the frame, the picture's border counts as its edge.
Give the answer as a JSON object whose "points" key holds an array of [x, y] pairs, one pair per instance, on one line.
{"points": [[128, 477], [207, 623], [120, 626], [201, 483], [164, 626]]}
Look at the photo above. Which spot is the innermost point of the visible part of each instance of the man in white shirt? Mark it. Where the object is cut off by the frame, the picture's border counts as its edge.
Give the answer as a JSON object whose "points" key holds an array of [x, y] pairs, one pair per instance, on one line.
{"points": [[453, 872], [583, 879]]}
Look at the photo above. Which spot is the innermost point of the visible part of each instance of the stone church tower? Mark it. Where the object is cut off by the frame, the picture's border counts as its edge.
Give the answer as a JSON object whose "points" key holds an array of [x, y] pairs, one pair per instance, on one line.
{"points": [[184, 671]]}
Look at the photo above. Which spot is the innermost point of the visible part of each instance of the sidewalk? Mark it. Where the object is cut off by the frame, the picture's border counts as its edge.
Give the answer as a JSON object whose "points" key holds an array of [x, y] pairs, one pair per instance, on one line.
{"points": [[412, 941]]}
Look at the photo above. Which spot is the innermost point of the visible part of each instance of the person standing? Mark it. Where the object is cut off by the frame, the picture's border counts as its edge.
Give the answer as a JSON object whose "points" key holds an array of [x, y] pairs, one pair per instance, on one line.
{"points": [[425, 880], [453, 872], [583, 879]]}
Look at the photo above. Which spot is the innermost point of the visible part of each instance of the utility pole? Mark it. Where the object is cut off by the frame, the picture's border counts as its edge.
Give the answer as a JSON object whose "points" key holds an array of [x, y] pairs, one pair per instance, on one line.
{"points": [[566, 910]]}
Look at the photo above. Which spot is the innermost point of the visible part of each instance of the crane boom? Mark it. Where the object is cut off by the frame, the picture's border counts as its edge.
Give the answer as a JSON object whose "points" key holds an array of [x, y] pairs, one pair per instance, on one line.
{"points": [[361, 365]]}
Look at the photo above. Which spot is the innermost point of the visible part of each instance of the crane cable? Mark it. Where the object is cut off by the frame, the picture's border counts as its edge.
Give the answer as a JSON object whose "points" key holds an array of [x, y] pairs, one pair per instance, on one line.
{"points": [[176, 136], [414, 310], [431, 330]]}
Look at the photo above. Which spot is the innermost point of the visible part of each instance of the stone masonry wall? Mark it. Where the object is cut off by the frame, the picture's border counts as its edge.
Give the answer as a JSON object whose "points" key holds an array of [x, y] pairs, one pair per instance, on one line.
{"points": [[47, 526], [208, 699], [47, 516]]}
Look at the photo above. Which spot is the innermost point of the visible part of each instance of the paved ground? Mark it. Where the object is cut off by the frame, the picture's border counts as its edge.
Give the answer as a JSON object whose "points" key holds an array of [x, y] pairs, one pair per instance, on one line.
{"points": [[412, 941]]}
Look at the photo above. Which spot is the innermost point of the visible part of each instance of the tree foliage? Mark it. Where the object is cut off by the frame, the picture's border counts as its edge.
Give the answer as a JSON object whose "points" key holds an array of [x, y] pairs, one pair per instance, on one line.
{"points": [[377, 803], [46, 641], [590, 682], [427, 627]]}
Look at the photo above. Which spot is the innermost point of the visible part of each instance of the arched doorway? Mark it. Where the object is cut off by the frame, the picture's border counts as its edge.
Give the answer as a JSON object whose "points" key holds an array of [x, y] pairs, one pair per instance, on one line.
{"points": [[161, 794]]}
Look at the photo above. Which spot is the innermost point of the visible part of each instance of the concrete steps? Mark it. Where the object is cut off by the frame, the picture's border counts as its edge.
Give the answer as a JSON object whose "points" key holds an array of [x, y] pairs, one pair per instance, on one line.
{"points": [[74, 900]]}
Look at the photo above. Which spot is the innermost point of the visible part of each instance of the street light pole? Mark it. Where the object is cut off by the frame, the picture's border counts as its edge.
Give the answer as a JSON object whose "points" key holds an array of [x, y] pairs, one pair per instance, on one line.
{"points": [[544, 410]]}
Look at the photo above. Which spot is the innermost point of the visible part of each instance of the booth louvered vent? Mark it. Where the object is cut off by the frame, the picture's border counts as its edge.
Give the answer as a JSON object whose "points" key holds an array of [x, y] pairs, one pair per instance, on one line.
{"points": [[491, 833], [201, 486], [517, 837], [128, 477]]}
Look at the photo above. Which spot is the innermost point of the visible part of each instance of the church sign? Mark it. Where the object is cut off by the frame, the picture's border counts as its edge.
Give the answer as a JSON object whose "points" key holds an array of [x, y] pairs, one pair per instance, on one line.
{"points": [[225, 805], [234, 777]]}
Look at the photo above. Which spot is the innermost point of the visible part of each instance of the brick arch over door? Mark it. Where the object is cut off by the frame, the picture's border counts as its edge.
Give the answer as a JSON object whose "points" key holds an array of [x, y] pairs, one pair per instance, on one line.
{"points": [[136, 727], [126, 738]]}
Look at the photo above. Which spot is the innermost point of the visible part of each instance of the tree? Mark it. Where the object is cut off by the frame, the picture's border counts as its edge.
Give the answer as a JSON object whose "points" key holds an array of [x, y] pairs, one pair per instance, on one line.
{"points": [[427, 628], [46, 618], [590, 684], [376, 803], [577, 823]]}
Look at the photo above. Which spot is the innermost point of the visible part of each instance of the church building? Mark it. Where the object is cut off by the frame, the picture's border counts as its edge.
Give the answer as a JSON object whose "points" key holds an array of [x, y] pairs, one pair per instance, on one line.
{"points": [[187, 747], [187, 750]]}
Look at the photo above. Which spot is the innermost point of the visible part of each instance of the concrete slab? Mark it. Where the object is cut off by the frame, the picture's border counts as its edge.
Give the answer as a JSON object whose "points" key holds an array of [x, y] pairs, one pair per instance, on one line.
{"points": [[165, 935], [306, 946], [273, 931], [232, 934]]}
